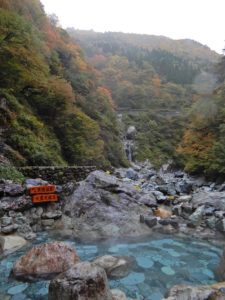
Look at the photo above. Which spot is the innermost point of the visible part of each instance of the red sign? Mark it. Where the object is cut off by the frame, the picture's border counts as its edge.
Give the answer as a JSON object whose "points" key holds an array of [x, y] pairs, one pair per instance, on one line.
{"points": [[44, 198], [42, 189]]}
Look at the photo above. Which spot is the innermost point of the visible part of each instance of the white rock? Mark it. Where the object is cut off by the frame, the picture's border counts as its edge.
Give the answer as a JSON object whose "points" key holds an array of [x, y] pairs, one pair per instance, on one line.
{"points": [[118, 295], [11, 242]]}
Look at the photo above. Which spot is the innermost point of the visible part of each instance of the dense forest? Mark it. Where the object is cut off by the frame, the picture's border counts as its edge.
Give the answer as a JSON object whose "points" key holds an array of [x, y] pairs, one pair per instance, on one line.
{"points": [[53, 110], [174, 83]]}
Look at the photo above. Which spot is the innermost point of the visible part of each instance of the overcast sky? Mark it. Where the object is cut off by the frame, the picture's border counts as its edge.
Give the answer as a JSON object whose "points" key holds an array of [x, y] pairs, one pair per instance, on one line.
{"points": [[201, 20]]}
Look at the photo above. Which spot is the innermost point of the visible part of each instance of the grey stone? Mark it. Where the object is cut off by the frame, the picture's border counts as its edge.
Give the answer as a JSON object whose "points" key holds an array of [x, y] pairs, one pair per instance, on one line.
{"points": [[26, 231], [219, 214], [12, 213], [187, 208], [34, 182], [11, 243], [220, 225], [148, 200], [47, 222], [14, 189], [179, 174], [118, 295], [209, 211], [20, 220], [150, 221], [196, 217], [169, 221], [211, 222], [84, 281], [222, 188], [30, 235], [214, 199], [52, 215], [15, 203], [168, 189], [159, 197], [100, 179], [184, 292], [9, 229], [131, 174], [114, 266], [142, 219], [184, 198], [184, 187], [177, 209], [39, 211], [36, 228], [59, 189], [6, 221], [106, 211]]}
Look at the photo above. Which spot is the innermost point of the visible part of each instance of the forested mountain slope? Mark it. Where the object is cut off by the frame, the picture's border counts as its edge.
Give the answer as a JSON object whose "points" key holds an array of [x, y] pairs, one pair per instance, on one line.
{"points": [[164, 77], [53, 109], [203, 144]]}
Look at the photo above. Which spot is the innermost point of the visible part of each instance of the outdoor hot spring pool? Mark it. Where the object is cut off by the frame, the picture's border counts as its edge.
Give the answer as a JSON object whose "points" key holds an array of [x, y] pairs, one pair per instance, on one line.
{"points": [[160, 263]]}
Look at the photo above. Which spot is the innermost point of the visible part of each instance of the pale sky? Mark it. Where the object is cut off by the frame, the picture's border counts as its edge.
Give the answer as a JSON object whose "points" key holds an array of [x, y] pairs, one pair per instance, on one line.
{"points": [[200, 20]]}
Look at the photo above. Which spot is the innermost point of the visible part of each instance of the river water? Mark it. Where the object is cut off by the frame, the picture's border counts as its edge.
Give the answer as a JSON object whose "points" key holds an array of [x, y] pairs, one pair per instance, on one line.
{"points": [[159, 263]]}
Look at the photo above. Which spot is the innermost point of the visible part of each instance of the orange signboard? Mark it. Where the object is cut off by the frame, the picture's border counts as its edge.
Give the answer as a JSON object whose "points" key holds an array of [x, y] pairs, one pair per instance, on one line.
{"points": [[42, 189], [44, 198]]}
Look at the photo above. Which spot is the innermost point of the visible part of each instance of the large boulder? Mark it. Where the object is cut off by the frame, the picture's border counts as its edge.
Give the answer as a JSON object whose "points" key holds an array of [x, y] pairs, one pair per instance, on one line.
{"points": [[214, 199], [100, 179], [45, 261], [103, 206], [185, 292], [84, 281]]}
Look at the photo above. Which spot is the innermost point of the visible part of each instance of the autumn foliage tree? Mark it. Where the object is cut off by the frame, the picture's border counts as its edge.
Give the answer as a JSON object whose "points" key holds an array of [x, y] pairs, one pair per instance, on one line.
{"points": [[48, 88]]}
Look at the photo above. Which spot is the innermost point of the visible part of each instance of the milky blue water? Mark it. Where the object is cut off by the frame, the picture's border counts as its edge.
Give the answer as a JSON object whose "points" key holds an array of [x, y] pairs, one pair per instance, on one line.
{"points": [[159, 263]]}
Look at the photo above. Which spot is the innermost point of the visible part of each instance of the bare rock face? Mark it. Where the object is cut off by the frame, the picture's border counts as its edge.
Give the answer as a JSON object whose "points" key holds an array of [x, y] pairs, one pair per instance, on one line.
{"points": [[104, 207], [45, 261], [84, 281]]}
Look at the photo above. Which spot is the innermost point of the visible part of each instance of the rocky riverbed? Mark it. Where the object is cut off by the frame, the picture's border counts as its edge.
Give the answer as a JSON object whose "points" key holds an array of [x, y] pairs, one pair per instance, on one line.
{"points": [[130, 203]]}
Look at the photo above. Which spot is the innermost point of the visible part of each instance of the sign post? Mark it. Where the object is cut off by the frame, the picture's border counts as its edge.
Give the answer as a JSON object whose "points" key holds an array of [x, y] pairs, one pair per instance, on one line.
{"points": [[43, 193]]}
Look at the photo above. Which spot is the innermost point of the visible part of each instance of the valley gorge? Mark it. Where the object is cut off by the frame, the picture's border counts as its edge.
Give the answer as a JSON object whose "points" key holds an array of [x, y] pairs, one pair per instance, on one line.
{"points": [[128, 129]]}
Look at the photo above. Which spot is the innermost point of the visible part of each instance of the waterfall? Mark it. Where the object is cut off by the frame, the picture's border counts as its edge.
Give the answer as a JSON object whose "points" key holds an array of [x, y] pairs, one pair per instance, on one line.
{"points": [[128, 145], [128, 136]]}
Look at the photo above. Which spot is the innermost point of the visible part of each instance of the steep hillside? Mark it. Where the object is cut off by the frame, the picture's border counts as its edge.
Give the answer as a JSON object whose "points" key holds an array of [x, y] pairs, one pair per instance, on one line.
{"points": [[142, 70], [158, 75], [203, 143], [53, 109]]}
